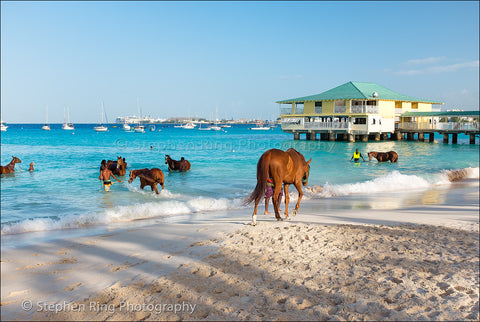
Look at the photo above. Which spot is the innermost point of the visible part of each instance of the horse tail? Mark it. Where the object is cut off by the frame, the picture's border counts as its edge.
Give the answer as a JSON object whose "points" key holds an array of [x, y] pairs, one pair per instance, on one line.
{"points": [[263, 167]]}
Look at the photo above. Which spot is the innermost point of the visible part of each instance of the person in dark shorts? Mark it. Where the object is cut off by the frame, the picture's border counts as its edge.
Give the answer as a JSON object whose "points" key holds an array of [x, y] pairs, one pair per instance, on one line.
{"points": [[269, 193], [105, 176]]}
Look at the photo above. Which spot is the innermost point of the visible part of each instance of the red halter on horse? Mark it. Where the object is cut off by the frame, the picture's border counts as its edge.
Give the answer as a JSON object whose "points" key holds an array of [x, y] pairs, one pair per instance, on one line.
{"points": [[285, 168], [10, 168]]}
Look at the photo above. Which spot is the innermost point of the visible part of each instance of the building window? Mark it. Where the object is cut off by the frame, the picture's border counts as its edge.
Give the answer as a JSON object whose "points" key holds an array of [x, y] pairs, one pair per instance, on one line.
{"points": [[340, 106], [299, 108], [286, 110], [360, 120], [318, 107]]}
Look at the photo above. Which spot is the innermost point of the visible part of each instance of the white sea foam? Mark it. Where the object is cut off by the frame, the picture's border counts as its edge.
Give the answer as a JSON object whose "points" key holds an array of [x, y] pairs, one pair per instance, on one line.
{"points": [[124, 214], [171, 204], [396, 181]]}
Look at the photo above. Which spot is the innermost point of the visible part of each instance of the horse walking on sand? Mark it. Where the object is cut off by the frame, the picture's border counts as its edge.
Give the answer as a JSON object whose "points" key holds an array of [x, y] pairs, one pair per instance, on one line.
{"points": [[182, 165], [10, 168], [285, 168], [391, 156], [148, 178]]}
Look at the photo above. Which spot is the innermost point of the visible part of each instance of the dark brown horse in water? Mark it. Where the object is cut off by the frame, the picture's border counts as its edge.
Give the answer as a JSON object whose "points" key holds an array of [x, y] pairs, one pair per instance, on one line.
{"points": [[118, 167], [285, 168], [10, 168], [148, 178], [391, 156], [182, 165]]}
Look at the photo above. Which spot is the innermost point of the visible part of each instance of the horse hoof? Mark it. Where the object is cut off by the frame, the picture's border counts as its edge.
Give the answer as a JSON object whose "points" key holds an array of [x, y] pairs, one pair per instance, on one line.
{"points": [[294, 212], [253, 224], [279, 219]]}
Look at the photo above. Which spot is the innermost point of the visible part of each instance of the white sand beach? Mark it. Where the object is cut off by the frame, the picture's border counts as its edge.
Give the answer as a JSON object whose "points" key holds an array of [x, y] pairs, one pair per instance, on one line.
{"points": [[362, 257]]}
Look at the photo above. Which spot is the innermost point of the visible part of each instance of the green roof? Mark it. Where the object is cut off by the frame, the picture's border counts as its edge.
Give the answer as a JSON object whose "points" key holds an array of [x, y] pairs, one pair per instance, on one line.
{"points": [[359, 90], [442, 113]]}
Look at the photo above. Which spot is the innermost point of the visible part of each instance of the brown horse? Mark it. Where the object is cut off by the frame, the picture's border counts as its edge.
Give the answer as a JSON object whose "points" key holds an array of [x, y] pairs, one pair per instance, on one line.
{"points": [[182, 165], [118, 167], [391, 156], [148, 178], [10, 168], [285, 168]]}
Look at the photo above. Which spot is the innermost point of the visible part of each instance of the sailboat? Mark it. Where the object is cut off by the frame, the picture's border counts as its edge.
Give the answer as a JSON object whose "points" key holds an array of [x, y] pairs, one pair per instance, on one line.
{"points": [[215, 127], [126, 127], [46, 127], [101, 127], [260, 126], [139, 128], [3, 127], [67, 126]]}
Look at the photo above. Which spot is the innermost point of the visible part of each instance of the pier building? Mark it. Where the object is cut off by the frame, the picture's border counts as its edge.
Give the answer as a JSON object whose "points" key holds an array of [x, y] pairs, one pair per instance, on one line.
{"points": [[367, 111]]}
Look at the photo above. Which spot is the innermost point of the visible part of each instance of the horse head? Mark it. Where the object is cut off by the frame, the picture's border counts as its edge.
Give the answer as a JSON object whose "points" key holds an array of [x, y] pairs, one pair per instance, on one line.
{"points": [[307, 173], [119, 162], [371, 154], [167, 157], [16, 160], [132, 177]]}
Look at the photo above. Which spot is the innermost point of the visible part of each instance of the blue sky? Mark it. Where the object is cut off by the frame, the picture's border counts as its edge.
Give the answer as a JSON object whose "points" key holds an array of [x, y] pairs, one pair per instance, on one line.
{"points": [[191, 58]]}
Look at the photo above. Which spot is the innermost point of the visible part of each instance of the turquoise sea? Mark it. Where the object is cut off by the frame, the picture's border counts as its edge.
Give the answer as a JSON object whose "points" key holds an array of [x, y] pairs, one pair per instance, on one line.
{"points": [[64, 196]]}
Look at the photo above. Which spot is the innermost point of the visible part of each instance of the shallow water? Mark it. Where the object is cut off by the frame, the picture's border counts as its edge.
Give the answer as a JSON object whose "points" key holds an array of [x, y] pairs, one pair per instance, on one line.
{"points": [[64, 193]]}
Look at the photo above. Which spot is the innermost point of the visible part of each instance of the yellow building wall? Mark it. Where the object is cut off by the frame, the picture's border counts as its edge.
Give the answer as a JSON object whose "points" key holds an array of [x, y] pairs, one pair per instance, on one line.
{"points": [[406, 106], [327, 107], [309, 108], [424, 107], [386, 109]]}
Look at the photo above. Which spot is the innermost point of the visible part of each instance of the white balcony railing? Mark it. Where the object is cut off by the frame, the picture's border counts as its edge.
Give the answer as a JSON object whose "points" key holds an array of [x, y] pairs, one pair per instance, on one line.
{"points": [[362, 109], [298, 110], [450, 126], [326, 125], [286, 111], [293, 124], [340, 109]]}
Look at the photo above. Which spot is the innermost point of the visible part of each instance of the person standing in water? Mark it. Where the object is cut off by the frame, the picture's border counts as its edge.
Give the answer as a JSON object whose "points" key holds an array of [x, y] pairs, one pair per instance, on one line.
{"points": [[105, 174], [356, 156]]}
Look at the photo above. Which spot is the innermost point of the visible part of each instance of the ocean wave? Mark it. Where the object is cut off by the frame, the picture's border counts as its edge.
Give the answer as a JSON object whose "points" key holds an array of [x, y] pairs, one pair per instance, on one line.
{"points": [[124, 214], [393, 181]]}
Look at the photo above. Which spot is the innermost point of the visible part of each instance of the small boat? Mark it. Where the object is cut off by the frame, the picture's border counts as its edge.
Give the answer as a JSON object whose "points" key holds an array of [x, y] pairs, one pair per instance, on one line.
{"points": [[3, 127], [67, 126], [126, 127], [101, 127], [46, 127], [188, 126], [261, 127], [139, 128], [225, 126], [215, 128]]}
